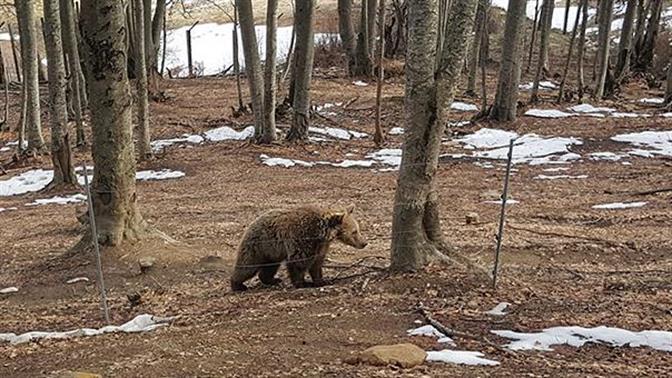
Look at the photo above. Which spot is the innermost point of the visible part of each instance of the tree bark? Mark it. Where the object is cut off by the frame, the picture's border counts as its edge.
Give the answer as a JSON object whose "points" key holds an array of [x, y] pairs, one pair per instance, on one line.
{"points": [[605, 12], [371, 7], [547, 9], [347, 33], [479, 29], [305, 12], [252, 65], [668, 86], [378, 137], [506, 98], [29, 58], [645, 57], [416, 229], [270, 82], [625, 43], [113, 189], [363, 65], [568, 3], [71, 46], [61, 154], [561, 90], [535, 26], [236, 63], [141, 69], [581, 49]]}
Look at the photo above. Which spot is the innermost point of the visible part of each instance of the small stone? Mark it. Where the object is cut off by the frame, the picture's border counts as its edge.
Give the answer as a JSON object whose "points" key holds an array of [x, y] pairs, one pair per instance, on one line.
{"points": [[472, 218], [146, 263], [402, 355]]}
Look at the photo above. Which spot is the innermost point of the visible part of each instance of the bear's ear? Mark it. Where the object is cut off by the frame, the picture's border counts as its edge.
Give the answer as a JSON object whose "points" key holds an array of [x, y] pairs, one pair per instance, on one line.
{"points": [[335, 219], [350, 209]]}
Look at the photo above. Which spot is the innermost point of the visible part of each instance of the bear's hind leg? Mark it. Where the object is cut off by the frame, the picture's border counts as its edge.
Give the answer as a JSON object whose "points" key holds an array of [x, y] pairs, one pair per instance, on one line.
{"points": [[240, 275], [297, 275], [267, 275]]}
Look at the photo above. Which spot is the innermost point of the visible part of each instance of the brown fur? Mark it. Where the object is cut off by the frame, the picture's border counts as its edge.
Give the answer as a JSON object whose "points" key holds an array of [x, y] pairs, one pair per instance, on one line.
{"points": [[300, 237]]}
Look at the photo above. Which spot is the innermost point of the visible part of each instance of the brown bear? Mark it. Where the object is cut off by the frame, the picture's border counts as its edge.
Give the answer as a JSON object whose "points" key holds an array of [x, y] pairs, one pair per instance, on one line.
{"points": [[300, 237]]}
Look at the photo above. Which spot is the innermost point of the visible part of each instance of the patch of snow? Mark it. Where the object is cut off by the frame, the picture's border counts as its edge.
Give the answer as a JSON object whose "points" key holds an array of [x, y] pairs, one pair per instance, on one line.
{"points": [[536, 150], [164, 174], [545, 85], [499, 309], [387, 156], [5, 149], [459, 123], [396, 131], [652, 100], [350, 163], [461, 357], [337, 133], [282, 162], [587, 108], [620, 205], [484, 165], [463, 106], [226, 133], [29, 181], [2, 209], [509, 201], [141, 323], [628, 115], [578, 336], [658, 142], [488, 138], [548, 113], [8, 290], [77, 279], [58, 200], [360, 83], [160, 144], [429, 331], [558, 169], [609, 156], [558, 177]]}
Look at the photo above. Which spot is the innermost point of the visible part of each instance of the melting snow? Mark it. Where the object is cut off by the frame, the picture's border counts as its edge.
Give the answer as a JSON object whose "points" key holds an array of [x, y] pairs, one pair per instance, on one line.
{"points": [[620, 205], [547, 85], [462, 357], [463, 106], [658, 142], [578, 336], [387, 156], [587, 108], [58, 200], [429, 331], [8, 290], [282, 162], [488, 138], [548, 113], [141, 323], [77, 279], [29, 181], [557, 177], [164, 174], [396, 131], [160, 144], [653, 100], [610, 156], [337, 133], [2, 209], [226, 133], [360, 83], [499, 309], [509, 201]]}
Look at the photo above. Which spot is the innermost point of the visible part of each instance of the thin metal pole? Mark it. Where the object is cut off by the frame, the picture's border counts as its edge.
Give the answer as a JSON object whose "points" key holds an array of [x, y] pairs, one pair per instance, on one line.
{"points": [[96, 248], [502, 214]]}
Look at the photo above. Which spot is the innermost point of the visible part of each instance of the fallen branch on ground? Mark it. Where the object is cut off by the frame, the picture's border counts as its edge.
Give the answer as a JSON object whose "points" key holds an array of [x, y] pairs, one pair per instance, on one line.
{"points": [[561, 235]]}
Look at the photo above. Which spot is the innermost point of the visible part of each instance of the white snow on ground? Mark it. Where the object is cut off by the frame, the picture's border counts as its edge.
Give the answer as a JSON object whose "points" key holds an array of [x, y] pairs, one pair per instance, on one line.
{"points": [[548, 113], [29, 181], [509, 201], [141, 323], [545, 85], [652, 100], [164, 174], [656, 142], [283, 162], [2, 209], [578, 336], [463, 106], [58, 200], [349, 163], [462, 357], [226, 133], [628, 115], [76, 279], [5, 149], [387, 156], [559, 177], [620, 205], [8, 290], [160, 144], [487, 138], [587, 108], [360, 83], [212, 46], [499, 309], [609, 156], [429, 331], [396, 131], [336, 132], [558, 169]]}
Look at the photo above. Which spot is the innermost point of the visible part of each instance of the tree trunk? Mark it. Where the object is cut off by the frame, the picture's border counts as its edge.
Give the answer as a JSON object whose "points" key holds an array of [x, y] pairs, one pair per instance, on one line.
{"points": [[270, 82], [561, 90], [605, 12], [71, 46], [378, 137], [645, 58], [668, 86], [113, 189], [141, 68], [568, 3], [15, 56], [4, 126], [29, 58], [305, 46], [544, 37], [363, 65], [371, 7], [581, 49], [236, 62], [479, 29], [416, 229], [252, 65], [347, 33], [506, 98], [643, 7], [61, 154], [625, 43], [535, 25]]}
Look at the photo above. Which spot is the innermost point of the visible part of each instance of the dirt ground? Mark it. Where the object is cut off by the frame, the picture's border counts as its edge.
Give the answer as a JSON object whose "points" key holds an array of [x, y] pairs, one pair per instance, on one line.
{"points": [[564, 263]]}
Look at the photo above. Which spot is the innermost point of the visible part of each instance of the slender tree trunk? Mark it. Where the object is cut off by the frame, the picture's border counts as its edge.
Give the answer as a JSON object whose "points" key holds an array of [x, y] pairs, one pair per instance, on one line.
{"points": [[113, 189], [4, 126], [371, 7], [71, 46], [21, 147], [546, 18], [347, 33], [363, 65], [605, 12], [561, 90], [270, 82], [668, 86], [15, 55], [61, 154], [305, 14], [581, 49], [506, 98], [643, 7], [474, 58], [416, 228], [625, 43], [252, 65], [141, 68], [568, 3], [535, 23], [29, 58], [649, 40], [236, 63], [378, 137]]}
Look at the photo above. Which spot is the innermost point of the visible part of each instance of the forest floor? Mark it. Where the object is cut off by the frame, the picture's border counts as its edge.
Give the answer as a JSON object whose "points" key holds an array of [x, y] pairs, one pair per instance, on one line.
{"points": [[564, 262]]}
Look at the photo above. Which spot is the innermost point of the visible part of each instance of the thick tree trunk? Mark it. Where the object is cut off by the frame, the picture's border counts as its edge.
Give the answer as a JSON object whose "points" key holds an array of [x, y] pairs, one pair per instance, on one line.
{"points": [[416, 229], [141, 68], [270, 82], [605, 12], [71, 46], [506, 98], [363, 64], [625, 43], [643, 7], [113, 189], [252, 65], [545, 33], [645, 57], [347, 33], [371, 32], [29, 58], [581, 49], [61, 154], [305, 46]]}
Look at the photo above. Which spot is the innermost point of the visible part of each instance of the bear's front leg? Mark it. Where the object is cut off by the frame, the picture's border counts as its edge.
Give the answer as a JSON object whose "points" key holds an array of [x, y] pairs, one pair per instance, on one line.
{"points": [[297, 275], [316, 271]]}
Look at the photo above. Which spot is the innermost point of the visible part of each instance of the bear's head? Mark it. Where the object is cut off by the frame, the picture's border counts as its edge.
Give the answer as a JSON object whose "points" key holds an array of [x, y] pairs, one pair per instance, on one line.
{"points": [[346, 228]]}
